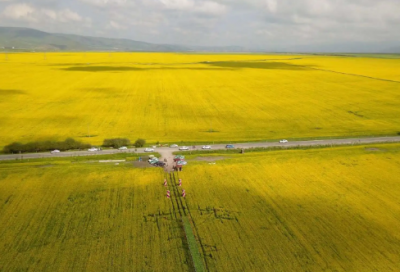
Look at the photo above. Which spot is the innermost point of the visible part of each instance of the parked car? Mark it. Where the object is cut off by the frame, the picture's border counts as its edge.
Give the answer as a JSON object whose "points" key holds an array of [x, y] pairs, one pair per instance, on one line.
{"points": [[181, 163], [229, 146], [160, 164], [123, 148], [149, 150], [153, 160], [55, 151], [179, 158], [283, 141], [206, 147], [184, 148], [173, 146], [93, 149]]}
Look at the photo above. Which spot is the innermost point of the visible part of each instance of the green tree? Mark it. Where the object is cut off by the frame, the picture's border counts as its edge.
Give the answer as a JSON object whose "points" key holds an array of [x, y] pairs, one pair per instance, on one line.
{"points": [[140, 143]]}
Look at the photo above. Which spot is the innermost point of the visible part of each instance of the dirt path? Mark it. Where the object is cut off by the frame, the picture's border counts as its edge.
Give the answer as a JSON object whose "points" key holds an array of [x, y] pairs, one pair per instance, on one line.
{"points": [[166, 154]]}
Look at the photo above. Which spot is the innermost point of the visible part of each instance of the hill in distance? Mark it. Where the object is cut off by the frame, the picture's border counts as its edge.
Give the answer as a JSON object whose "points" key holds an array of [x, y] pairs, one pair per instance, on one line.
{"points": [[26, 39]]}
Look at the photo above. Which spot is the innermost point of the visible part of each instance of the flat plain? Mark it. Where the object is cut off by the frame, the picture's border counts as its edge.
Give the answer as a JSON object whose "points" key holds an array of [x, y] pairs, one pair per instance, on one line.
{"points": [[331, 209], [334, 209], [195, 97]]}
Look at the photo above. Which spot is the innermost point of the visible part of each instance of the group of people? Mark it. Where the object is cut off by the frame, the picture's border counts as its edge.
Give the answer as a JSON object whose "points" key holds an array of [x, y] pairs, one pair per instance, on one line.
{"points": [[169, 192]]}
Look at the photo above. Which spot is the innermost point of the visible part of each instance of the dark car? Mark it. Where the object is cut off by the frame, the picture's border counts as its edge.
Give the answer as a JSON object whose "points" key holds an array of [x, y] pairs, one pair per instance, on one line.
{"points": [[229, 146], [159, 163]]}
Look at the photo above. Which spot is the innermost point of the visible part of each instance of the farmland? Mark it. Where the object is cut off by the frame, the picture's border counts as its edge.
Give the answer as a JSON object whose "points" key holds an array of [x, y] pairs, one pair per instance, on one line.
{"points": [[312, 210], [58, 216], [195, 97], [332, 209]]}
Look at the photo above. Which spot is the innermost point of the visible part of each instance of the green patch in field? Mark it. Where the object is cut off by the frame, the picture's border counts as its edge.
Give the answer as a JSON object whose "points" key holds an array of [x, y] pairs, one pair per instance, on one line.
{"points": [[194, 249]]}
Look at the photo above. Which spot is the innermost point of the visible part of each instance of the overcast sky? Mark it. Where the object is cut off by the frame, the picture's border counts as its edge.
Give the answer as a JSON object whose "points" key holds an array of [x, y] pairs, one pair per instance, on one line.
{"points": [[268, 24]]}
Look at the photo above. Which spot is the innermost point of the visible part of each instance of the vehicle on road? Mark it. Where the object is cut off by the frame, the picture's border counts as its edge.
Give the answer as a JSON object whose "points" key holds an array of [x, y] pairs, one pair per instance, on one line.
{"points": [[173, 146], [283, 141], [184, 148], [206, 147], [123, 148], [229, 146], [93, 149], [149, 150], [55, 151]]}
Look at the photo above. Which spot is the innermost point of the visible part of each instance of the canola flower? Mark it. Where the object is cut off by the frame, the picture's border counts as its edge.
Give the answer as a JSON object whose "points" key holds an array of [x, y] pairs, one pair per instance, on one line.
{"points": [[195, 97]]}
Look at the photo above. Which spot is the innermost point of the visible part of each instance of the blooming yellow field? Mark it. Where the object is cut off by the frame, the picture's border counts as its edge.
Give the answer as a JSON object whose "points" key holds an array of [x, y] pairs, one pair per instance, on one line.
{"points": [[86, 218], [332, 209], [312, 210], [182, 97]]}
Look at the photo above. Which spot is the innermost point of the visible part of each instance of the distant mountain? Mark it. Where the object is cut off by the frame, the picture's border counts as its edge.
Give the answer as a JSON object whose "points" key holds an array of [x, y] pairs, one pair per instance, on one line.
{"points": [[394, 50], [30, 39], [27, 39]]}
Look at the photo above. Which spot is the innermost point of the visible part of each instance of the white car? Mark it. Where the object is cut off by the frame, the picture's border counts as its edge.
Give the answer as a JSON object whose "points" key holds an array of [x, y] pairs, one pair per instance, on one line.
{"points": [[184, 148], [123, 148], [55, 151], [93, 149], [173, 145], [283, 141], [206, 147], [149, 150]]}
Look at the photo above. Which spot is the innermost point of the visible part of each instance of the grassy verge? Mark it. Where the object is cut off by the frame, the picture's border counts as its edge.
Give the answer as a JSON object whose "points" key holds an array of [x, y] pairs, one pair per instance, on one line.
{"points": [[272, 148], [198, 143], [118, 156]]}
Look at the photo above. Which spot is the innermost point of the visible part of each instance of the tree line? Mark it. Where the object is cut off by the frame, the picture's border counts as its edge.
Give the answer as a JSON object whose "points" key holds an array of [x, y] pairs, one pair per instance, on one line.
{"points": [[119, 142], [68, 144], [38, 146]]}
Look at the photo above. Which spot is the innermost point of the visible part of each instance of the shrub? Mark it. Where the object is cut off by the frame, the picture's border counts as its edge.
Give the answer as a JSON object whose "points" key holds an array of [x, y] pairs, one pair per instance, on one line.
{"points": [[116, 142], [13, 148], [140, 143]]}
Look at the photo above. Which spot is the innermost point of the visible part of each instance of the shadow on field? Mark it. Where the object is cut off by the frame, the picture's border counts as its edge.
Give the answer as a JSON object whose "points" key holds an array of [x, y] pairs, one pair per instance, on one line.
{"points": [[315, 234], [259, 65], [128, 68], [101, 68], [101, 90], [7, 92]]}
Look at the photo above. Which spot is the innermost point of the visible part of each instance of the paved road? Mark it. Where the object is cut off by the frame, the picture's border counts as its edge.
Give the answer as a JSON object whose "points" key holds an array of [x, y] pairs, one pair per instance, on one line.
{"points": [[166, 152]]}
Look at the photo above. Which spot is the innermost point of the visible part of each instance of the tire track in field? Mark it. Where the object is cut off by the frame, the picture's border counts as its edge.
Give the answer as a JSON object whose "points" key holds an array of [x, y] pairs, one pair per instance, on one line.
{"points": [[189, 215], [349, 74], [184, 211], [177, 213]]}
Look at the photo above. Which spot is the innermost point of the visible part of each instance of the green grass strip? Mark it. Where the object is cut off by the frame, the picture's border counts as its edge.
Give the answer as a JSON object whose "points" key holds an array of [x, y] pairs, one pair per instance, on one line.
{"points": [[194, 250]]}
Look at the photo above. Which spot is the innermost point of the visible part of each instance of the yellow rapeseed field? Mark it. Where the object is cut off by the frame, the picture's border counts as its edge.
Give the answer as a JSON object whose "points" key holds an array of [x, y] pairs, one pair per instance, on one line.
{"points": [[334, 209], [82, 217], [331, 209], [182, 97]]}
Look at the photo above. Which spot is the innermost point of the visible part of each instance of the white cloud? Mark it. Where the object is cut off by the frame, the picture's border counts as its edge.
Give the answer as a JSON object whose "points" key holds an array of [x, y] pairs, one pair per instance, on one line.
{"points": [[31, 14], [214, 22], [67, 15], [115, 25], [272, 5], [104, 3], [19, 12], [205, 7]]}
